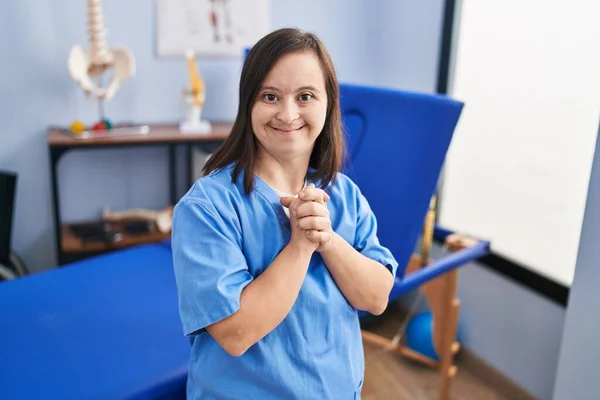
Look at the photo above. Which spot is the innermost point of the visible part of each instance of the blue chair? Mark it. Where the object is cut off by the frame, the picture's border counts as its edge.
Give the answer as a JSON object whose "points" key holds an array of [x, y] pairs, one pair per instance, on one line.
{"points": [[108, 327]]}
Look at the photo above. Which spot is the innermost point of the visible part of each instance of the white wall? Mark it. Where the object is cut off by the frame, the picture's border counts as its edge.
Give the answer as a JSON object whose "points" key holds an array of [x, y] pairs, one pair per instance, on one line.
{"points": [[515, 330]]}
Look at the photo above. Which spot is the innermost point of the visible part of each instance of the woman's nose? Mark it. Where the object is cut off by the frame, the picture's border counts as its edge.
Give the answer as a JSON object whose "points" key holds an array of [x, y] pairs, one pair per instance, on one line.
{"points": [[288, 112]]}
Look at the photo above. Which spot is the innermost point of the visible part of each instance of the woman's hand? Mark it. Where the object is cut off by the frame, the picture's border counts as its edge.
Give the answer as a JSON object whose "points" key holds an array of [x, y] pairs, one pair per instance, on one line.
{"points": [[310, 214], [299, 238]]}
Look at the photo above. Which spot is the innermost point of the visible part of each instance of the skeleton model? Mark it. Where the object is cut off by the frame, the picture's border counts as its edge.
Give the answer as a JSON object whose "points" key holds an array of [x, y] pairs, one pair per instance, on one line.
{"points": [[88, 68]]}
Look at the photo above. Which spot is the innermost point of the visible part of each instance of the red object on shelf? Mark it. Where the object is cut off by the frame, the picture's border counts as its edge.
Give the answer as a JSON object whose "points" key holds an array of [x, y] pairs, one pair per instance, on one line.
{"points": [[99, 126]]}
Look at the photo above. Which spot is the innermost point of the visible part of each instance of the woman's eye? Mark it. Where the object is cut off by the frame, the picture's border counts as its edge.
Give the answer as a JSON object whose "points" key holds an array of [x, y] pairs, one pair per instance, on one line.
{"points": [[270, 97], [306, 97]]}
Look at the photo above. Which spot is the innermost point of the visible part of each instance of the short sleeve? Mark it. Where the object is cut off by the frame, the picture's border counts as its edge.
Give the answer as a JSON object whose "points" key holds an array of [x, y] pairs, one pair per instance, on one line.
{"points": [[366, 240], [210, 268]]}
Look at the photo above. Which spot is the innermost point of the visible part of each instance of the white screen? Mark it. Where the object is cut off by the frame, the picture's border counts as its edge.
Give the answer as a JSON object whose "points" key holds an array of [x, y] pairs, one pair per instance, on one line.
{"points": [[518, 168]]}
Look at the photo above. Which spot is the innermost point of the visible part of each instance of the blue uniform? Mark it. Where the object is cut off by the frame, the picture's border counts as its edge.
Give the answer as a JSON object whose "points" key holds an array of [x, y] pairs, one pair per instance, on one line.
{"points": [[223, 239]]}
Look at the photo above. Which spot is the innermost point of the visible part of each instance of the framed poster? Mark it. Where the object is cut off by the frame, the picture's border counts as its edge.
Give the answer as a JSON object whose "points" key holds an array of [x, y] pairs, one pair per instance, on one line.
{"points": [[213, 28]]}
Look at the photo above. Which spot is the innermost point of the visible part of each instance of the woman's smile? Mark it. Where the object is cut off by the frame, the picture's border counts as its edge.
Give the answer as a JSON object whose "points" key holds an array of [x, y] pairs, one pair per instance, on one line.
{"points": [[287, 131]]}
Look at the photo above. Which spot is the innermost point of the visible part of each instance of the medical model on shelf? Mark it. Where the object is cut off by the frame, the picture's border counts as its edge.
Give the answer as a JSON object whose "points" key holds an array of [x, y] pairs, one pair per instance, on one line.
{"points": [[193, 98], [89, 68]]}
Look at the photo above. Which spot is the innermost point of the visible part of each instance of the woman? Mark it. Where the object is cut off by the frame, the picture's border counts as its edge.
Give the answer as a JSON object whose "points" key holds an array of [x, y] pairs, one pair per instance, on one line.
{"points": [[274, 249]]}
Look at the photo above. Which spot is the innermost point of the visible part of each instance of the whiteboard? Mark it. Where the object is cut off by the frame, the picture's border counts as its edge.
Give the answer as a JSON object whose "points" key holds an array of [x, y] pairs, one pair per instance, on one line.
{"points": [[518, 169], [219, 28]]}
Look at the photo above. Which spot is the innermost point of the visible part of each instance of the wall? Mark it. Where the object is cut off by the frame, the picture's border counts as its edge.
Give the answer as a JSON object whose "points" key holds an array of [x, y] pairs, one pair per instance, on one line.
{"points": [[512, 328], [577, 376]]}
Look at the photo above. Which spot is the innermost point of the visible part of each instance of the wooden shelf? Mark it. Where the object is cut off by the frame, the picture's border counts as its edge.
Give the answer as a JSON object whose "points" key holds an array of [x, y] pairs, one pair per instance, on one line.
{"points": [[71, 243], [159, 133]]}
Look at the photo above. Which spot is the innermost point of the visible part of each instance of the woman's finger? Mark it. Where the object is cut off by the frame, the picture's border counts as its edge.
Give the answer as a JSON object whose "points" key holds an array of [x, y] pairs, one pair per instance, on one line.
{"points": [[317, 195], [286, 201], [318, 236], [314, 223], [292, 205], [311, 193], [308, 208]]}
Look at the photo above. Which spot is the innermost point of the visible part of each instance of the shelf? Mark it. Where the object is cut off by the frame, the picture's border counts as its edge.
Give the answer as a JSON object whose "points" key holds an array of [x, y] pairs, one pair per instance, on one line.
{"points": [[72, 243], [71, 247], [159, 134]]}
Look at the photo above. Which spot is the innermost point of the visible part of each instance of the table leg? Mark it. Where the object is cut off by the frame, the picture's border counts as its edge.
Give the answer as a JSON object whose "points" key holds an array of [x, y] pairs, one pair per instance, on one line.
{"points": [[172, 175], [208, 147], [190, 163], [55, 154]]}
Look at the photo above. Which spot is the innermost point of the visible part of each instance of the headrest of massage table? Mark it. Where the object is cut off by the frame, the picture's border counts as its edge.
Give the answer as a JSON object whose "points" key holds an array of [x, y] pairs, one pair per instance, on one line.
{"points": [[397, 144]]}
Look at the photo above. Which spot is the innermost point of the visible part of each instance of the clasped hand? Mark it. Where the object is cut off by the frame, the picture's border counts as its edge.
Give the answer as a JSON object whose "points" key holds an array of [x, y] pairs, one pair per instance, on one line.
{"points": [[309, 213]]}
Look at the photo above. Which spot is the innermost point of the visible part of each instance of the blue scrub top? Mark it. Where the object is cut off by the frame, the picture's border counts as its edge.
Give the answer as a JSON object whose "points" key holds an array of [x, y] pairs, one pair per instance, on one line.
{"points": [[222, 239]]}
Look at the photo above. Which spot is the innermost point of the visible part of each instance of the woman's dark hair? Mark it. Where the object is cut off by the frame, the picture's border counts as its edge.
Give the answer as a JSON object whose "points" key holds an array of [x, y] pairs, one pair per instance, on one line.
{"points": [[240, 147]]}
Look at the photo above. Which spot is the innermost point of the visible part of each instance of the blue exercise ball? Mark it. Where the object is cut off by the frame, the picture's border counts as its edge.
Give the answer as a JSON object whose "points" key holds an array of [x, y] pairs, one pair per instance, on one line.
{"points": [[419, 335]]}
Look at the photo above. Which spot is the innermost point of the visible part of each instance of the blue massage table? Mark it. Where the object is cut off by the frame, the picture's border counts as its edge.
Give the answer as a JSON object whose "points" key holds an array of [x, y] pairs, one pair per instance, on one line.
{"points": [[108, 327], [103, 328]]}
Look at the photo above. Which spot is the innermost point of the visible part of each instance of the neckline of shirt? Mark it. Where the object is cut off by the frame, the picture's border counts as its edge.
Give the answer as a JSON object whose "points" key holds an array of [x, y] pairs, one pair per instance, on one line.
{"points": [[281, 193]]}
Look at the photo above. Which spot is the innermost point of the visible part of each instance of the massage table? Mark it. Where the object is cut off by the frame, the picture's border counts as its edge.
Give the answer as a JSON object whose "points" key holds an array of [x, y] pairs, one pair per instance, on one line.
{"points": [[103, 328]]}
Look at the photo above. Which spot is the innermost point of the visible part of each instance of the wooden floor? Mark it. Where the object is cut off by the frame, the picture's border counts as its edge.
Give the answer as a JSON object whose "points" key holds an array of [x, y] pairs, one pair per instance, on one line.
{"points": [[391, 377]]}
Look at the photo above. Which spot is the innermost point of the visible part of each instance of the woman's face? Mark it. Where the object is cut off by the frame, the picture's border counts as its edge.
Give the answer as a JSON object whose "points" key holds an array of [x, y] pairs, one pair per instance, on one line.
{"points": [[289, 113]]}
